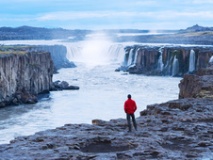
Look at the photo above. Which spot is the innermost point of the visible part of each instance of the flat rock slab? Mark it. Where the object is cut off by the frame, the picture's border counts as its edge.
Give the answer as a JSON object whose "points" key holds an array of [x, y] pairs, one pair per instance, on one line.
{"points": [[179, 129]]}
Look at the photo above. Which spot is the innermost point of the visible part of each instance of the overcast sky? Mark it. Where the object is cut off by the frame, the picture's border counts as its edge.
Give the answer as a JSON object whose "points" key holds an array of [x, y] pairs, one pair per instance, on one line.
{"points": [[107, 14]]}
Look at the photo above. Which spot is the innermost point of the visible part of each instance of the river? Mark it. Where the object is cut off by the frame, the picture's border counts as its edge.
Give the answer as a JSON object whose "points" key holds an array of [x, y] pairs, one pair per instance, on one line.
{"points": [[101, 95]]}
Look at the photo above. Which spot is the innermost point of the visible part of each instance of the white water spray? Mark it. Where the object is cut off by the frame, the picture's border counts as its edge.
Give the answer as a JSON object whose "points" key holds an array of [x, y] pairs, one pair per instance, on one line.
{"points": [[95, 50], [160, 60]]}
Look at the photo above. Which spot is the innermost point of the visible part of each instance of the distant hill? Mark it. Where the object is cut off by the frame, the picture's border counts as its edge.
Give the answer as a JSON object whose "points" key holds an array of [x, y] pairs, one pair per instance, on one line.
{"points": [[196, 35], [36, 33], [192, 35], [196, 28]]}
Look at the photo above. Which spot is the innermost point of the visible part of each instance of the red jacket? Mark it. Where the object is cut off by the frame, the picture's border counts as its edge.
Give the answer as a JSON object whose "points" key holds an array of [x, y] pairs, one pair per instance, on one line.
{"points": [[130, 106]]}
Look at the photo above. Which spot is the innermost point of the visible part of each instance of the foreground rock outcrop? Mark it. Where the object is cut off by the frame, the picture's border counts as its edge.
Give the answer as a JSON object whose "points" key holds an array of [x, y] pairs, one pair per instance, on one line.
{"points": [[180, 129], [177, 129]]}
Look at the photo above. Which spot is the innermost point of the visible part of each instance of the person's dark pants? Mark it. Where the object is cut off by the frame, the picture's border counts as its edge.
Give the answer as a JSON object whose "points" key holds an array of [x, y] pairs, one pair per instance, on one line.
{"points": [[129, 117]]}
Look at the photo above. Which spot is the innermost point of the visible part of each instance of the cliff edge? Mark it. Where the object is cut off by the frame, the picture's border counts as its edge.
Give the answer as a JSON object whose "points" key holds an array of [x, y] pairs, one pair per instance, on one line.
{"points": [[23, 75]]}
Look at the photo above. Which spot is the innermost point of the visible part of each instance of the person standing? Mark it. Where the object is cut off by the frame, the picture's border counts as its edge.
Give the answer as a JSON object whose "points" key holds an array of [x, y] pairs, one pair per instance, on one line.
{"points": [[130, 107]]}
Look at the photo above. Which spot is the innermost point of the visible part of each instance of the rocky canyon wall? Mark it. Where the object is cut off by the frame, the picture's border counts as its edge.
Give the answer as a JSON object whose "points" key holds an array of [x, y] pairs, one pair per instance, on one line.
{"points": [[58, 54], [24, 75], [166, 60]]}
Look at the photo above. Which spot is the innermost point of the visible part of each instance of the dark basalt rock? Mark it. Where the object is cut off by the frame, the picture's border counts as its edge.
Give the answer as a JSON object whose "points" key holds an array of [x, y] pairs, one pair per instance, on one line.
{"points": [[27, 71], [24, 97], [63, 85], [101, 145], [166, 60], [197, 85], [23, 75]]}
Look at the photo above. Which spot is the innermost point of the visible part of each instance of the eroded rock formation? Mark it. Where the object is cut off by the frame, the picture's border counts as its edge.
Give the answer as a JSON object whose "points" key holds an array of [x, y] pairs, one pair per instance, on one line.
{"points": [[166, 60], [199, 85], [58, 54], [177, 129], [26, 71], [23, 75]]}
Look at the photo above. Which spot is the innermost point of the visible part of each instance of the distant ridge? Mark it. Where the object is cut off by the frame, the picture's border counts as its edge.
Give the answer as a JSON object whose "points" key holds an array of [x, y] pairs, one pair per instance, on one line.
{"points": [[37, 33], [197, 28], [192, 35]]}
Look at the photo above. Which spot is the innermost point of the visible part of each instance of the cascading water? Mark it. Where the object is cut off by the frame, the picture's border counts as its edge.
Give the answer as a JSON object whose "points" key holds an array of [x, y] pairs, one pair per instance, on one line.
{"points": [[192, 61], [95, 51], [116, 52], [73, 52], [211, 60], [175, 67], [130, 57], [160, 60], [135, 57]]}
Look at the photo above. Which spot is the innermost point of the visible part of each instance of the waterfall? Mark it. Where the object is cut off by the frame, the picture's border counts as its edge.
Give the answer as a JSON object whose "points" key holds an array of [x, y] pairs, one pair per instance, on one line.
{"points": [[73, 53], [192, 61], [211, 60], [175, 67], [95, 54], [135, 57], [96, 49], [116, 52], [130, 57], [160, 60]]}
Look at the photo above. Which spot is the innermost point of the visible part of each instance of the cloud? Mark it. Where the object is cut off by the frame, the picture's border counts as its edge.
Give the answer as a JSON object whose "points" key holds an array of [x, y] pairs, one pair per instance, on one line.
{"points": [[61, 16], [202, 1], [107, 14], [71, 15]]}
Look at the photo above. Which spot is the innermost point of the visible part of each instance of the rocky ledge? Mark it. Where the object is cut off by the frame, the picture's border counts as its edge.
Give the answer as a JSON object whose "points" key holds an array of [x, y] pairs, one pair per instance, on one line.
{"points": [[177, 129]]}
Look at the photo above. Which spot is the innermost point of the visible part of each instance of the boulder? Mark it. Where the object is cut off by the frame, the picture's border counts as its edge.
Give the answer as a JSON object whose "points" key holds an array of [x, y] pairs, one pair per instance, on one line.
{"points": [[197, 85], [63, 85]]}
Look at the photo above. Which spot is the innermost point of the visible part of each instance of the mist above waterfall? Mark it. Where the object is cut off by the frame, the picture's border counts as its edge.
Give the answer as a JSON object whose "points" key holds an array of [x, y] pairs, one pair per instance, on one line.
{"points": [[96, 49]]}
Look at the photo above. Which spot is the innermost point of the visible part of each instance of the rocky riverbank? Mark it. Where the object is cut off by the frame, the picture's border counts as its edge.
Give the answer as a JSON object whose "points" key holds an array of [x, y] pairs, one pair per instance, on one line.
{"points": [[178, 129]]}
